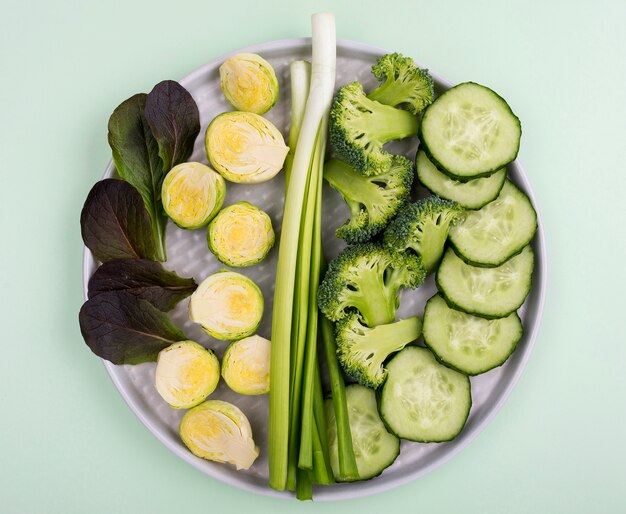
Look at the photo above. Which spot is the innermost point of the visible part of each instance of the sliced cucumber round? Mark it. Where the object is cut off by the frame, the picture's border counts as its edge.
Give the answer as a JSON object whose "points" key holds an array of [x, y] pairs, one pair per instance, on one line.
{"points": [[470, 131], [467, 343], [488, 292], [423, 400], [374, 447], [472, 194], [500, 229]]}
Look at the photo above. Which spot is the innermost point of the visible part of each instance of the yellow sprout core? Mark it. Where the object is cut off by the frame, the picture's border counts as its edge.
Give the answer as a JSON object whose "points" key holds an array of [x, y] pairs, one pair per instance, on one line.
{"points": [[186, 373], [244, 147], [249, 83], [246, 366], [219, 431], [227, 305], [192, 194], [241, 235]]}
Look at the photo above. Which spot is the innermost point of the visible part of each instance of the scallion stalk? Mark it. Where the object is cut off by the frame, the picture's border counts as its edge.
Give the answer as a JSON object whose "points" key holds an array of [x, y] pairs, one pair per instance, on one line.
{"points": [[313, 216], [300, 72], [321, 426], [322, 472], [304, 490], [299, 329], [317, 106], [347, 462]]}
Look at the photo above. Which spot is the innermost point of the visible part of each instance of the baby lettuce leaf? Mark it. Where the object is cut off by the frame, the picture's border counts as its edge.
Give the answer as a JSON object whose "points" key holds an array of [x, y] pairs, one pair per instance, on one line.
{"points": [[174, 120], [114, 223], [150, 134], [144, 279], [124, 329], [136, 157]]}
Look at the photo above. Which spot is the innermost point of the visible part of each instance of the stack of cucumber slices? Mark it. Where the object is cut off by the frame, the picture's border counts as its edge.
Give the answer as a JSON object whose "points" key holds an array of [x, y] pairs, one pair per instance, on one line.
{"points": [[468, 137]]}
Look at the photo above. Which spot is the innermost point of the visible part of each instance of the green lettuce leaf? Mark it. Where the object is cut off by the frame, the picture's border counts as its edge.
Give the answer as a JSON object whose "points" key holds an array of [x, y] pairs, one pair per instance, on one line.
{"points": [[144, 279], [114, 223], [136, 157], [149, 135], [123, 329]]}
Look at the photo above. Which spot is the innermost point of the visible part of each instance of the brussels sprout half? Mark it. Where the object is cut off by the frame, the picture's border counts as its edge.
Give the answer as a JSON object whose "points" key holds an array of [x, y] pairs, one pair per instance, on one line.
{"points": [[219, 431], [227, 305], [186, 373], [241, 235], [192, 194], [245, 147], [249, 83], [246, 365]]}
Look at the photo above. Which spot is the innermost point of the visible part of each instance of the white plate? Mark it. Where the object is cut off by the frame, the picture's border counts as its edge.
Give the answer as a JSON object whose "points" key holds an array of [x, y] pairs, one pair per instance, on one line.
{"points": [[188, 255]]}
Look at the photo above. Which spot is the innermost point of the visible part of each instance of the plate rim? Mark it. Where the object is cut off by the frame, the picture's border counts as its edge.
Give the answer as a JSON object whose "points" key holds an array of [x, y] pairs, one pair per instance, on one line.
{"points": [[369, 487]]}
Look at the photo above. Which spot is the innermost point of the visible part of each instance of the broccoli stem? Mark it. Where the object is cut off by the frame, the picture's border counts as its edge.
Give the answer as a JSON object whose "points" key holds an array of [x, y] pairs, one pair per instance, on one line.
{"points": [[391, 93], [349, 183], [394, 336], [430, 251], [431, 245], [380, 307], [386, 123], [384, 95]]}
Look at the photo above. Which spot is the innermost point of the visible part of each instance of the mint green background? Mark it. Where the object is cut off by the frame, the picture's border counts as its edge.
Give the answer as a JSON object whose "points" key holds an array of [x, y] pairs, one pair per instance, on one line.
{"points": [[68, 442]]}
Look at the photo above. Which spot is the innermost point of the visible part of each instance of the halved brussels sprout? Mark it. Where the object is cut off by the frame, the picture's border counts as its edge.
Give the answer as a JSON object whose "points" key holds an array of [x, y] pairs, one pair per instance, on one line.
{"points": [[219, 431], [186, 373], [246, 365], [241, 235], [192, 194], [249, 83], [227, 305], [245, 147]]}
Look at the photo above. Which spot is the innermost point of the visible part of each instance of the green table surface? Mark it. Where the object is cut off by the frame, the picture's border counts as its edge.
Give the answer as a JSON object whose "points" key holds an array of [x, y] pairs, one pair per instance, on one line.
{"points": [[68, 442]]}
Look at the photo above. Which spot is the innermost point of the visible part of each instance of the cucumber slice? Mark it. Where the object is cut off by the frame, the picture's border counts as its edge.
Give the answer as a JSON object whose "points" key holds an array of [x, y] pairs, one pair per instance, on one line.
{"points": [[488, 292], [423, 400], [491, 235], [469, 344], [374, 447], [470, 131], [472, 194]]}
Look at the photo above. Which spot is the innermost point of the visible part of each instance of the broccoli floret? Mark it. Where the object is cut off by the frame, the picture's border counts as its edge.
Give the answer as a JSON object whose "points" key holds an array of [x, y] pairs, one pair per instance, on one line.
{"points": [[367, 277], [362, 350], [403, 83], [423, 226], [373, 200], [359, 127]]}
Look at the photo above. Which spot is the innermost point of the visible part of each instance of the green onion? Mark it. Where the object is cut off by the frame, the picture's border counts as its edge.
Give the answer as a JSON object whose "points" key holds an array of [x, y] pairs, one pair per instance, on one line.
{"points": [[347, 462], [299, 329], [321, 430], [317, 106], [304, 491], [300, 72], [313, 226]]}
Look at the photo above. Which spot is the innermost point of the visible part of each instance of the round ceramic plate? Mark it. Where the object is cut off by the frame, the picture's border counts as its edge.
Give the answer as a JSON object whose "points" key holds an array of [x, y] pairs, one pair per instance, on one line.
{"points": [[189, 256]]}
